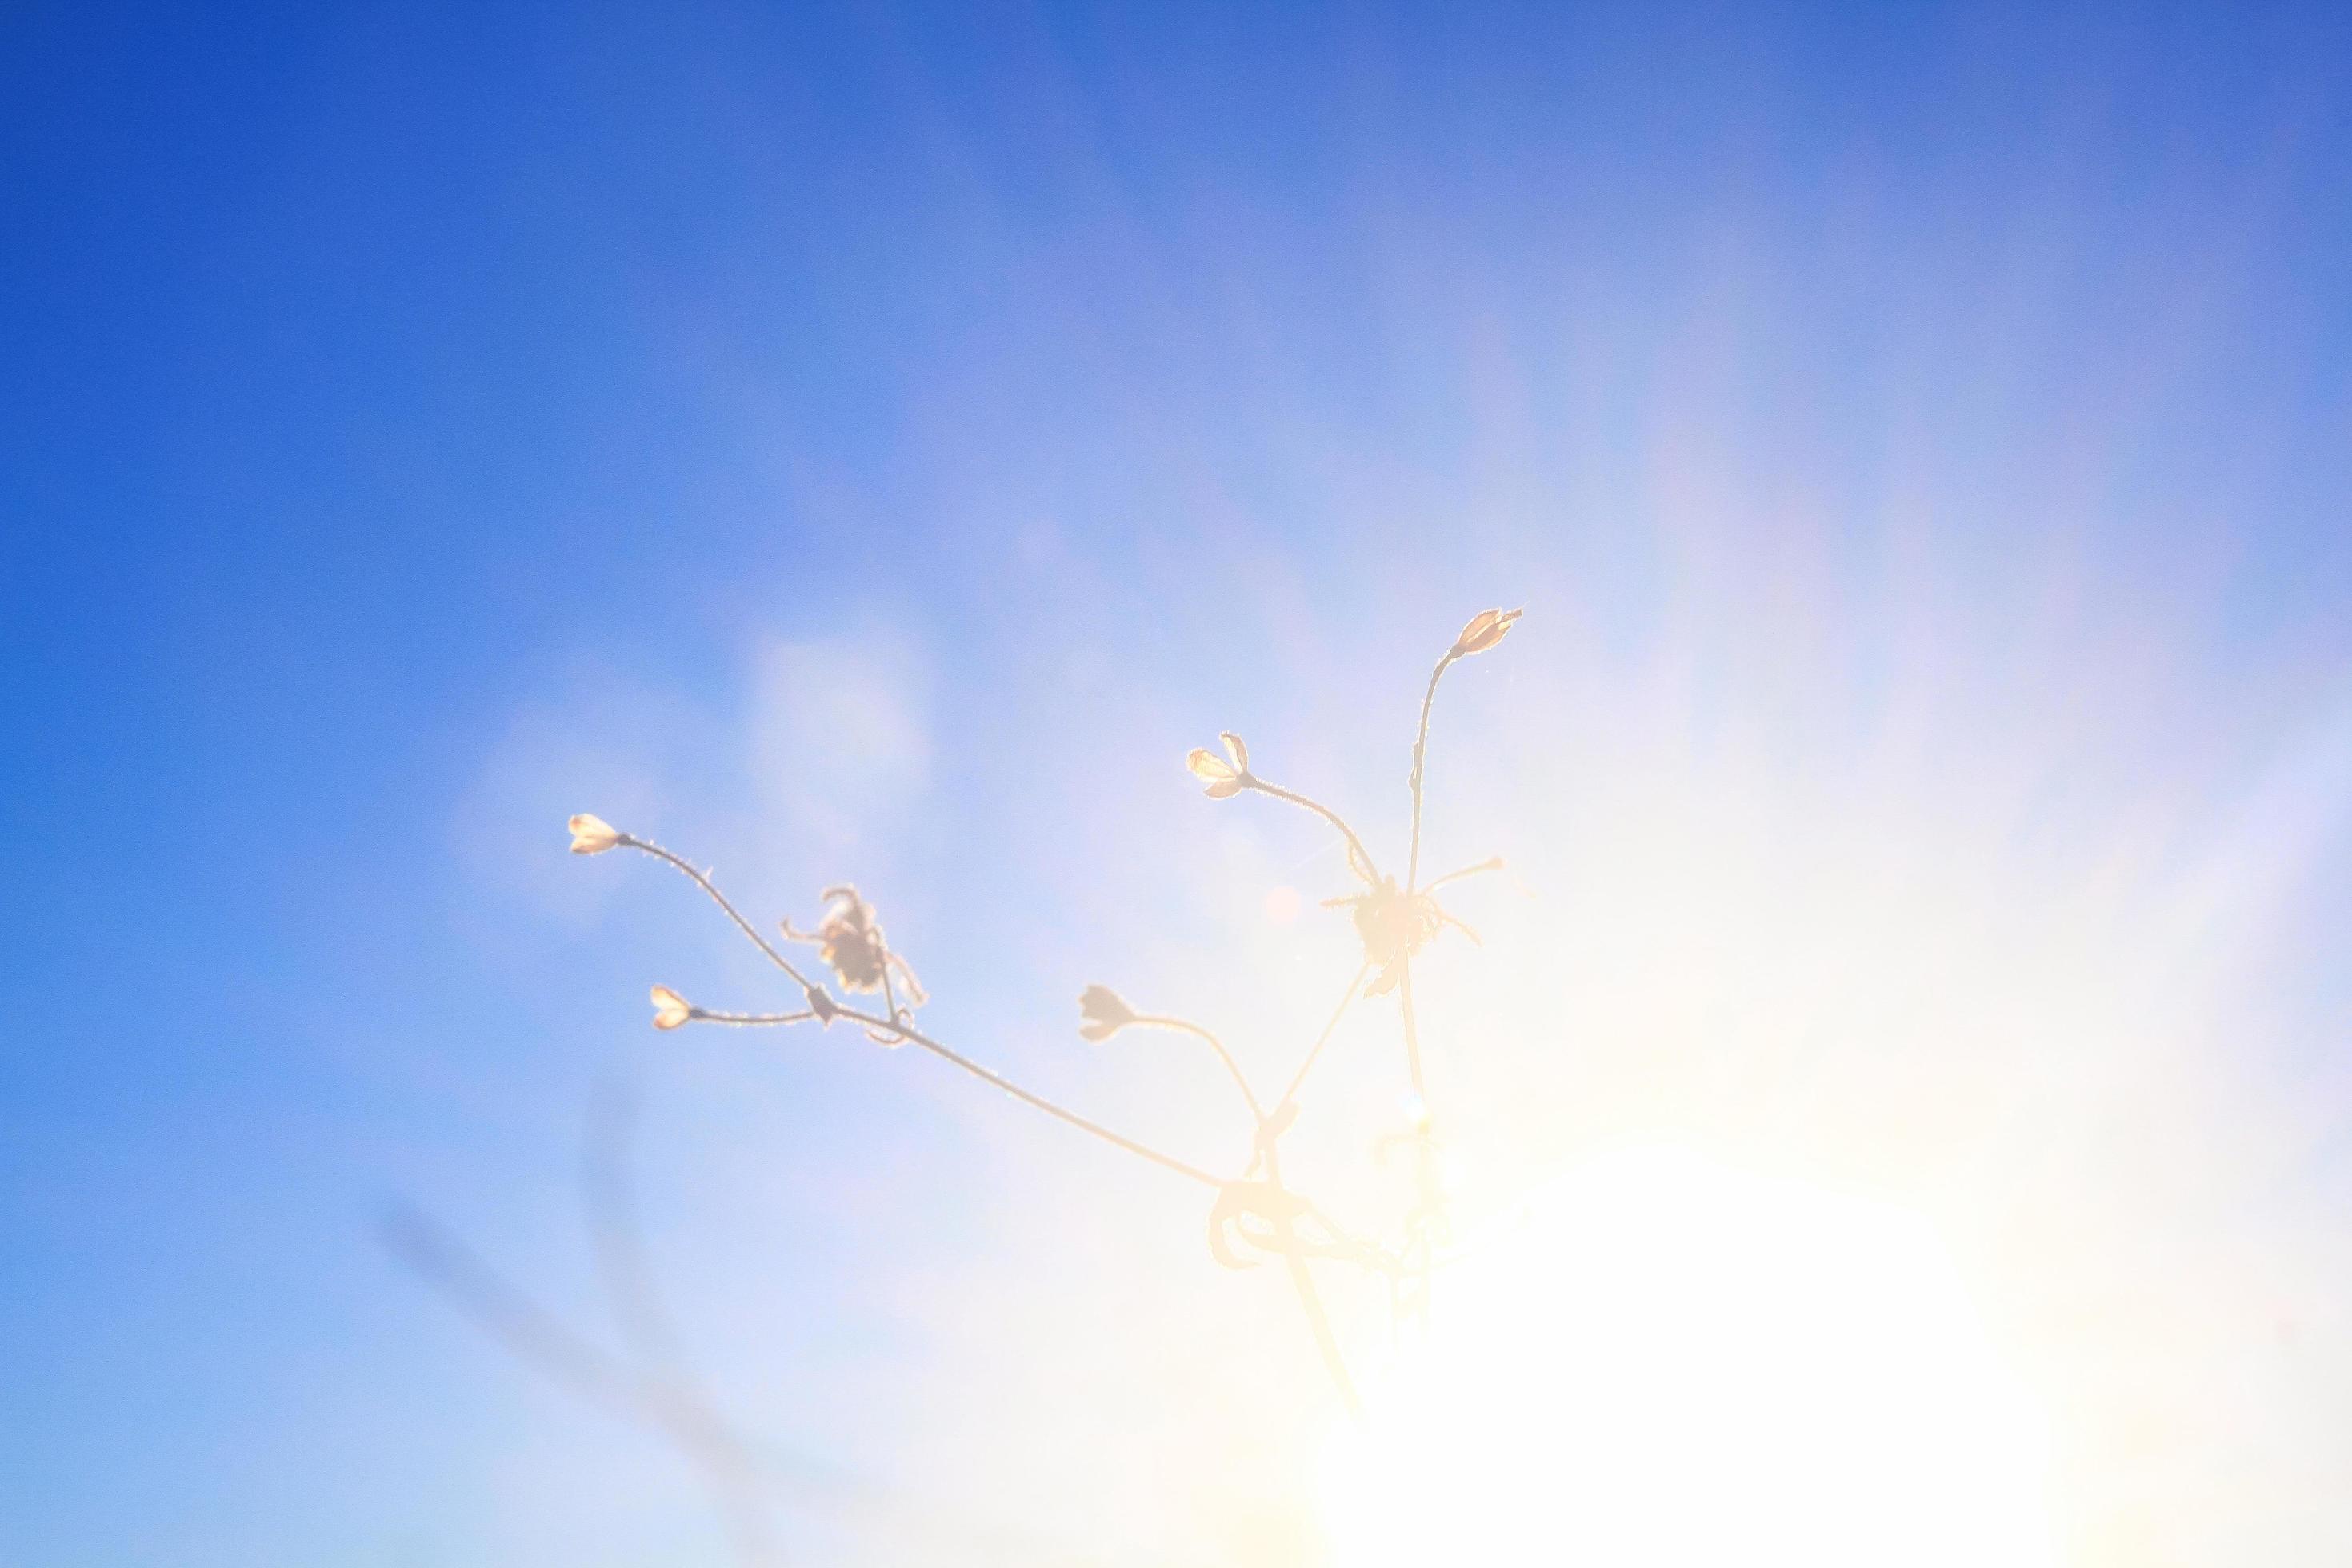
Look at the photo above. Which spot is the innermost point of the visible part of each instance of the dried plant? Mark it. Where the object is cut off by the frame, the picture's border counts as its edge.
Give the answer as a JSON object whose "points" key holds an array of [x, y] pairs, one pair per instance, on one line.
{"points": [[1254, 1213]]}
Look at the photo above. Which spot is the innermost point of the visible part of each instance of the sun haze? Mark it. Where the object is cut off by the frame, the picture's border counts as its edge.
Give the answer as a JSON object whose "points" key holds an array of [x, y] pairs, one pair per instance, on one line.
{"points": [[1028, 505]]}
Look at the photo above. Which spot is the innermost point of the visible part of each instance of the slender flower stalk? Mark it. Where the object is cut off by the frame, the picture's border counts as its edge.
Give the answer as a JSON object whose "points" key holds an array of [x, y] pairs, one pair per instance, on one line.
{"points": [[1302, 1280], [1359, 857], [1119, 1140], [1492, 863], [1315, 1052], [1233, 1067], [1230, 775], [1486, 629], [708, 886], [1254, 1213]]}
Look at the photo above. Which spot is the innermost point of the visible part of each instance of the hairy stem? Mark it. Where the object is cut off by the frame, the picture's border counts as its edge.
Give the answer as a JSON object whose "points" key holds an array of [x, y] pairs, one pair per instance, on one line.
{"points": [[1492, 863], [705, 883], [1315, 1051], [916, 1037], [1411, 1029], [1420, 752], [1411, 878], [1319, 1322], [1184, 1026], [1251, 780]]}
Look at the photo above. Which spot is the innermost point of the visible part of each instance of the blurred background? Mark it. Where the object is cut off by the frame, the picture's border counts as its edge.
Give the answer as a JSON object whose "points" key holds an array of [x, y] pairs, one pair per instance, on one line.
{"points": [[850, 443]]}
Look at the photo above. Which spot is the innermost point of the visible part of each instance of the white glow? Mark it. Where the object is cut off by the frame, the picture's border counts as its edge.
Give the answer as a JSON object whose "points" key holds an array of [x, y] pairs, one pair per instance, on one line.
{"points": [[1665, 1363]]}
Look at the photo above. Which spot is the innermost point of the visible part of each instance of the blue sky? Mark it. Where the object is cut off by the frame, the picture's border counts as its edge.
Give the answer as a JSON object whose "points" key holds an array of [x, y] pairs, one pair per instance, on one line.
{"points": [[850, 443]]}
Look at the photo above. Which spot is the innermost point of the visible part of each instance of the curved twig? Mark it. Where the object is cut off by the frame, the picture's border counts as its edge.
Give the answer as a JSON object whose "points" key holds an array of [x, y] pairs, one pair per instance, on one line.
{"points": [[1185, 1027], [913, 1035], [1302, 1280], [1347, 998], [632, 841], [1356, 845], [1492, 863]]}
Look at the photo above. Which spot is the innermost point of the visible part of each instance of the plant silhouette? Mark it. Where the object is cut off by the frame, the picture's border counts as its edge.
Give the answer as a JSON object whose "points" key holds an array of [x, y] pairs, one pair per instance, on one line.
{"points": [[1254, 1214]]}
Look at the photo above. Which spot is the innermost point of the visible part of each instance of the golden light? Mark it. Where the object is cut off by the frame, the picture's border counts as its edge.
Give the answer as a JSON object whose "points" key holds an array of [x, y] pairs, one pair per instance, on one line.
{"points": [[1664, 1361]]}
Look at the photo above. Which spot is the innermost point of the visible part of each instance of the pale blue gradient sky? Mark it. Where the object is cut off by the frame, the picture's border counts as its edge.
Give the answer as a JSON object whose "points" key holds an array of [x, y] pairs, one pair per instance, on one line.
{"points": [[877, 445]]}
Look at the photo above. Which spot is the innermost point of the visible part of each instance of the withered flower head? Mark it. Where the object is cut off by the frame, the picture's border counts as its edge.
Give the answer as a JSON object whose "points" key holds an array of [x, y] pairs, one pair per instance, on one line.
{"points": [[670, 1009], [1392, 927], [850, 942], [1224, 777], [1486, 629], [591, 834], [1105, 1013]]}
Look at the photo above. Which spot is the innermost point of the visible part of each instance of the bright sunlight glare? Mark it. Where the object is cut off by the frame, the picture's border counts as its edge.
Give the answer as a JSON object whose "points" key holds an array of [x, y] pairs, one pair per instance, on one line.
{"points": [[1662, 1362]]}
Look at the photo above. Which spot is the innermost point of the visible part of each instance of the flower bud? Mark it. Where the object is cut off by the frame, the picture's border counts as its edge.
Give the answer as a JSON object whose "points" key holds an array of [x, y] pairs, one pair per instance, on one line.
{"points": [[670, 1009], [591, 834], [1105, 1013], [1222, 778], [1485, 630]]}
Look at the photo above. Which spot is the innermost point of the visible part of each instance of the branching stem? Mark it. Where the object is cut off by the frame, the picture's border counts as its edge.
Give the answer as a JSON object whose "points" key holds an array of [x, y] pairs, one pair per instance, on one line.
{"points": [[1302, 1279], [913, 1035], [700, 881], [1420, 752], [1251, 780], [668, 1401], [1185, 1027], [1411, 878], [1315, 1051], [1492, 863]]}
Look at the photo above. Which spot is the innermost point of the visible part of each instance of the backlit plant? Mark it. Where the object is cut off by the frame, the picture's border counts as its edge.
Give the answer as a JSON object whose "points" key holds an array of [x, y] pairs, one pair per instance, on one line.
{"points": [[1252, 1213]]}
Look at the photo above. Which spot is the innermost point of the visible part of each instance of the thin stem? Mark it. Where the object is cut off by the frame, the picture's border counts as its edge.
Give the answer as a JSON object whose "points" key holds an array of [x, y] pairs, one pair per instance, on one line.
{"points": [[700, 881], [747, 1020], [1447, 917], [1419, 751], [916, 1037], [1319, 1323], [1492, 863], [1411, 878], [1251, 780], [1412, 1030], [1184, 1026], [890, 1001], [1347, 999]]}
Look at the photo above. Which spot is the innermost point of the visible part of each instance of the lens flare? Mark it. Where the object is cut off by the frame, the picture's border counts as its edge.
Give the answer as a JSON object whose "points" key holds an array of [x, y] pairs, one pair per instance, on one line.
{"points": [[1663, 1362]]}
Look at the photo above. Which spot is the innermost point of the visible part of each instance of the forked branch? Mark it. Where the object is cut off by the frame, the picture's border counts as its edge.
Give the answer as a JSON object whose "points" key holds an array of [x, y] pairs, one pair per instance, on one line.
{"points": [[1392, 921]]}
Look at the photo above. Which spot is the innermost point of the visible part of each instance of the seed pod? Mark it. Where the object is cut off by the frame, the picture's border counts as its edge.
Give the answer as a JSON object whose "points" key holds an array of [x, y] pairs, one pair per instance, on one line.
{"points": [[1485, 630], [1225, 780], [591, 834], [1104, 1013], [670, 1009]]}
